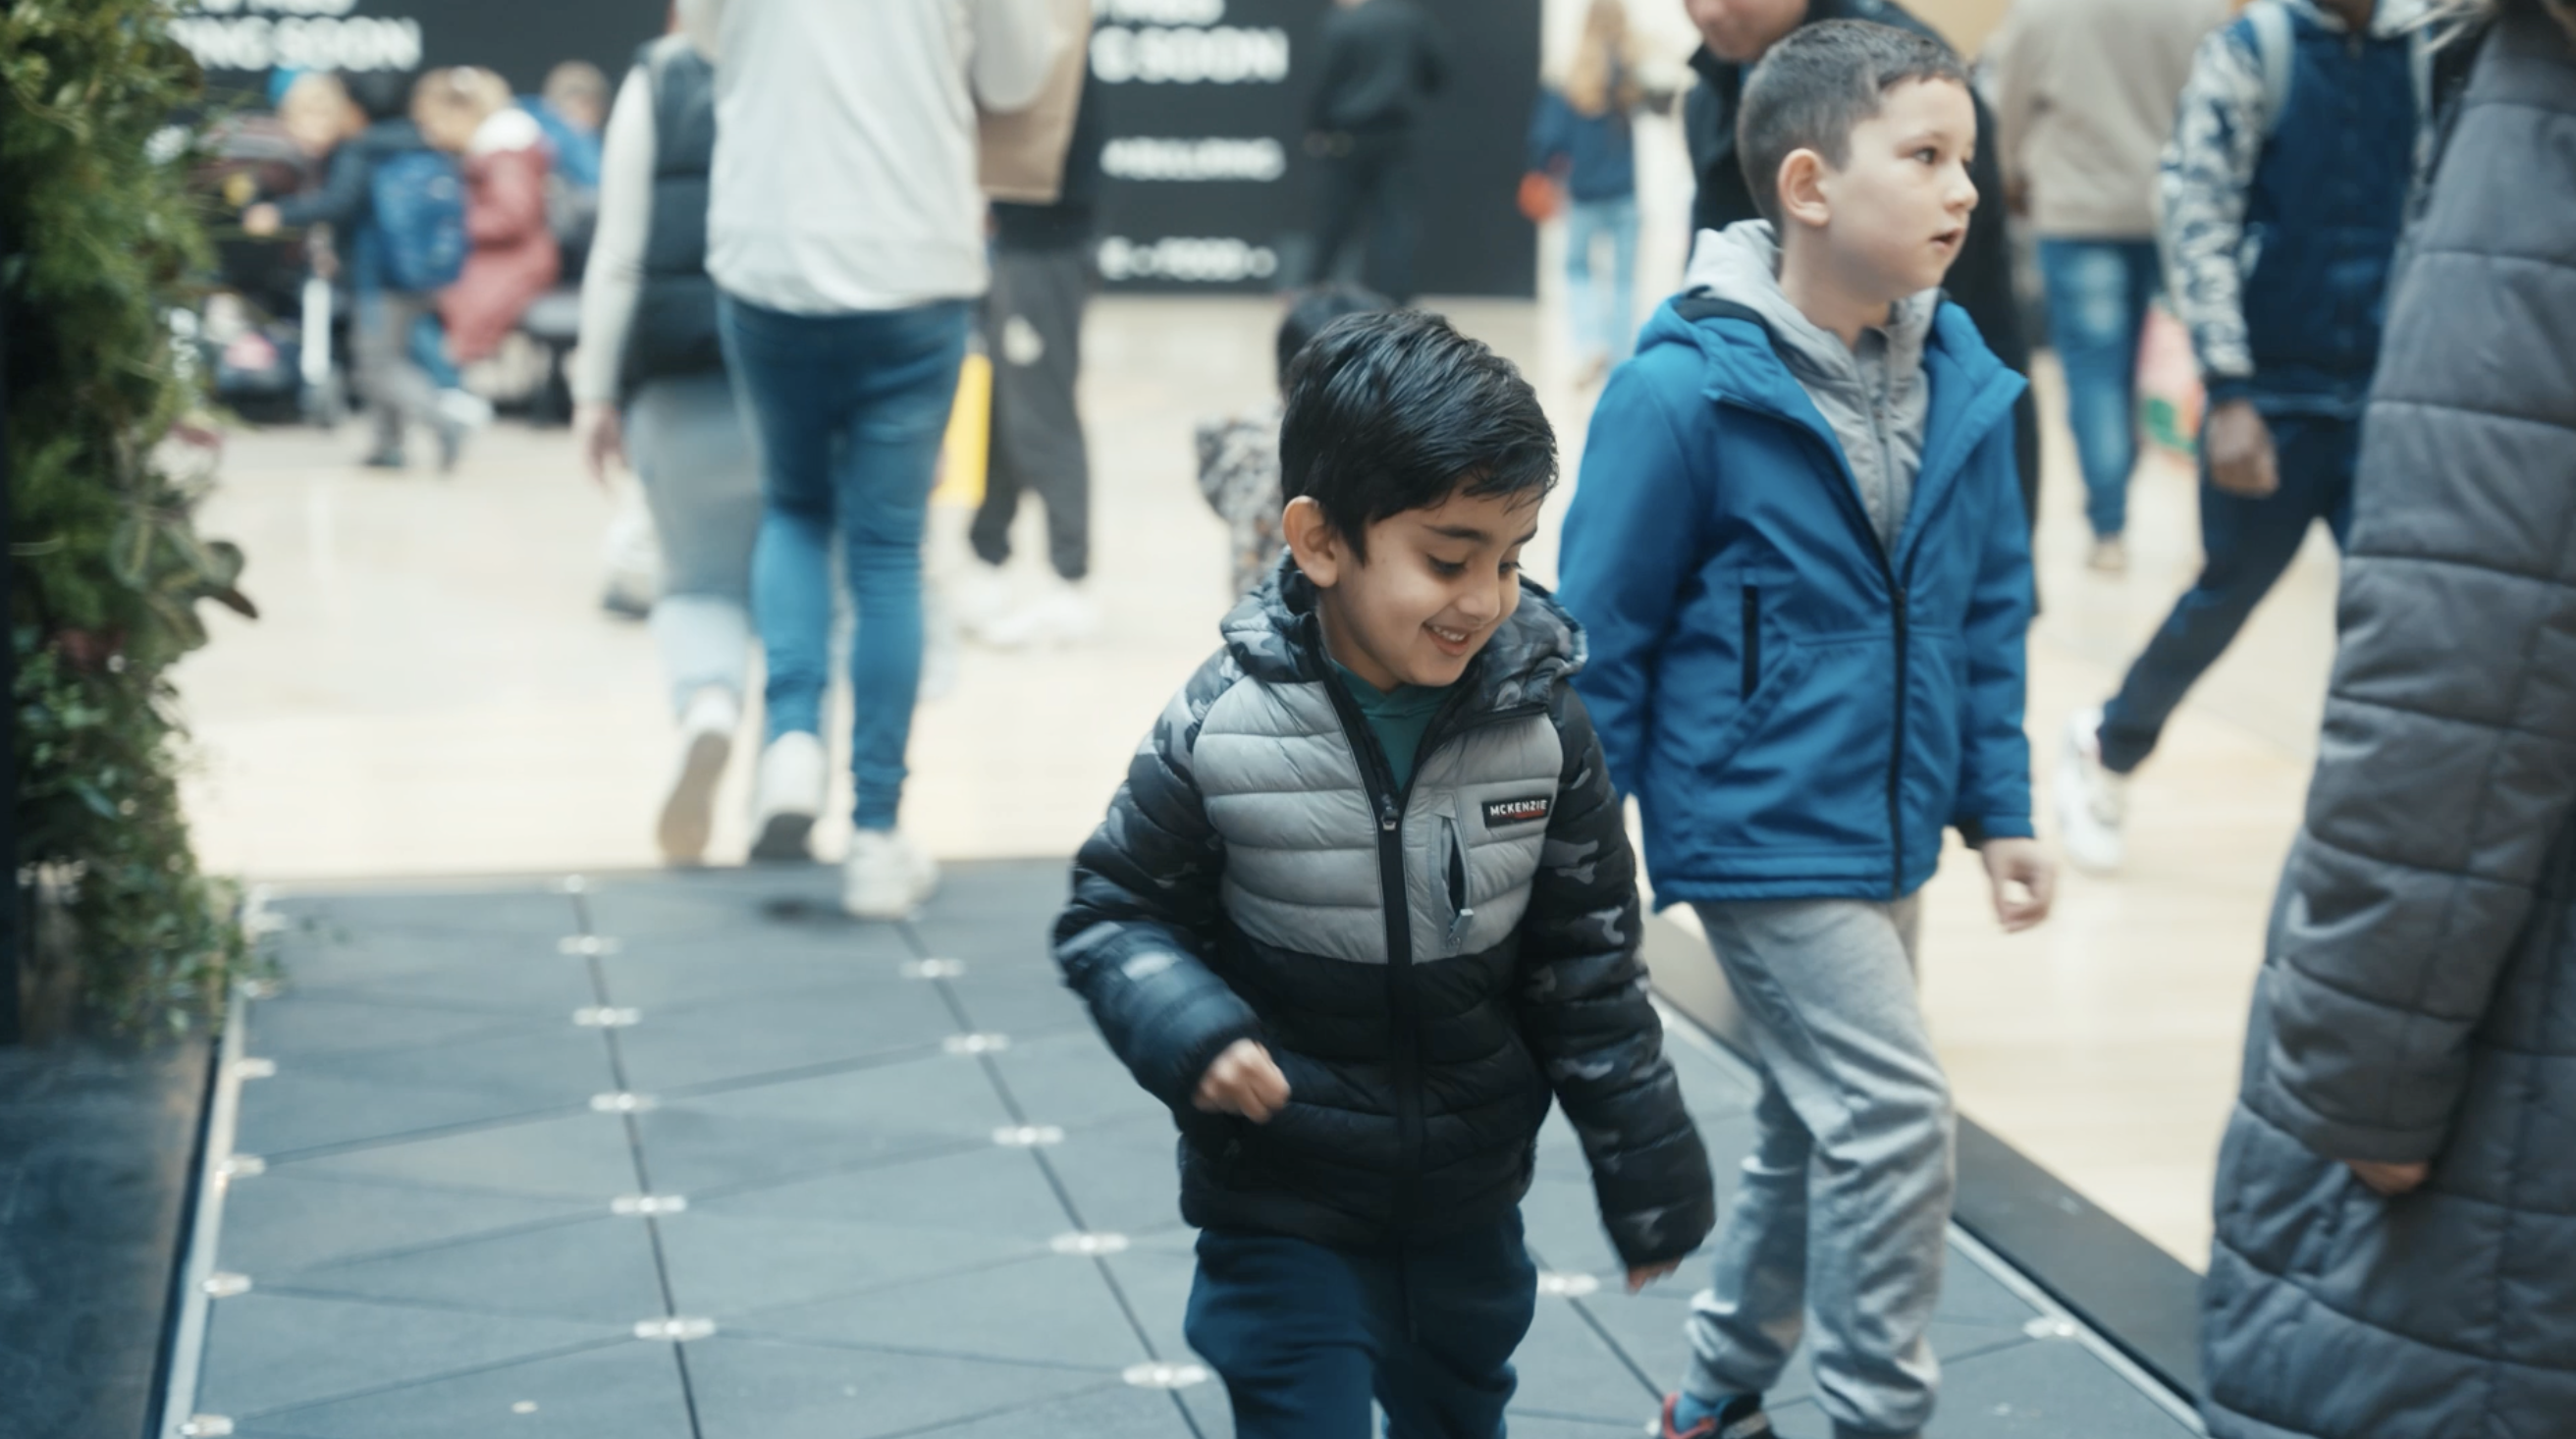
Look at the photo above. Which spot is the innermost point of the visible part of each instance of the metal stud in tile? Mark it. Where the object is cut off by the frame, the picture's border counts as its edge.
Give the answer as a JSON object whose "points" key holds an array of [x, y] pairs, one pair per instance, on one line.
{"points": [[600, 1016], [1081, 1242], [524, 1406], [256, 989], [587, 946], [676, 1329], [1165, 1376], [1568, 1286], [206, 1426], [622, 1102], [254, 1068], [647, 1206], [976, 1043], [225, 1286], [1028, 1136], [934, 968], [573, 884], [2052, 1326], [242, 1166]]}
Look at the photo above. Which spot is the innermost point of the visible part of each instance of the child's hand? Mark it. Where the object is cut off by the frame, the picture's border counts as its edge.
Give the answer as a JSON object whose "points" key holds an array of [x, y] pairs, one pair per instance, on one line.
{"points": [[2239, 445], [1243, 1080], [2024, 879], [1644, 1275]]}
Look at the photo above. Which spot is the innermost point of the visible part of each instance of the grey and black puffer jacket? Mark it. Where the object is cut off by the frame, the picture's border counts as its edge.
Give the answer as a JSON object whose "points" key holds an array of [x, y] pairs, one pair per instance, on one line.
{"points": [[1428, 967], [2418, 999]]}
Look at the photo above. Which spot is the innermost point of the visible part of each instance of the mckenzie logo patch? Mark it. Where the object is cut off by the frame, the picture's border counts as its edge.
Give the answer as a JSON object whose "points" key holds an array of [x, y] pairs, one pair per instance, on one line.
{"points": [[1500, 812]]}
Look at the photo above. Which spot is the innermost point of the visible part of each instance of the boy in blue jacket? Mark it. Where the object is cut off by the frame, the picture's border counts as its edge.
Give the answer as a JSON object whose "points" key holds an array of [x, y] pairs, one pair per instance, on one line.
{"points": [[1798, 546]]}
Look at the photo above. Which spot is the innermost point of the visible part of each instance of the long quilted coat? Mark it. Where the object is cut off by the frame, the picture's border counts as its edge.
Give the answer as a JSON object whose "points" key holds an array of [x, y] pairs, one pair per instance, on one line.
{"points": [[1429, 966], [2418, 1002]]}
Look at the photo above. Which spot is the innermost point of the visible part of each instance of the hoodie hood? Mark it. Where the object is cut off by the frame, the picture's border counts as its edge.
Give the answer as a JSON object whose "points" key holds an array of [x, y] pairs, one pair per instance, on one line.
{"points": [[510, 128], [1275, 637], [1875, 398]]}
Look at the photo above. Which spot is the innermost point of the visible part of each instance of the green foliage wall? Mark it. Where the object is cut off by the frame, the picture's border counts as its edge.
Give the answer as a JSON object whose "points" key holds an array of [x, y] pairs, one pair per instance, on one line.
{"points": [[99, 239]]}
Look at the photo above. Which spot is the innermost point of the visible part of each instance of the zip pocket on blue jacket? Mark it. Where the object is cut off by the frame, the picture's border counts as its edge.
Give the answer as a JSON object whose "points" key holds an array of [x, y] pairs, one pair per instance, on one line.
{"points": [[1752, 640], [1460, 915]]}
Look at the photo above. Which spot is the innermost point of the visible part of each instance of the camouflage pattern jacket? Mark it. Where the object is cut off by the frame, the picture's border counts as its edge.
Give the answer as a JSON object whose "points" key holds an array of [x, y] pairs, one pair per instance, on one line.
{"points": [[1429, 967]]}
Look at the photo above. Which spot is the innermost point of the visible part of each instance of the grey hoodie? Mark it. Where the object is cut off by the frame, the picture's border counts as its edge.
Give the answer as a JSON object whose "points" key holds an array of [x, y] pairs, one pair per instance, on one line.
{"points": [[1876, 400]]}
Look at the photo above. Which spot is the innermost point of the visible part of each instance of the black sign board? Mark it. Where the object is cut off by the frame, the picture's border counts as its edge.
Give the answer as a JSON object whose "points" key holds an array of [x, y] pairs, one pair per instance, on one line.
{"points": [[1205, 99]]}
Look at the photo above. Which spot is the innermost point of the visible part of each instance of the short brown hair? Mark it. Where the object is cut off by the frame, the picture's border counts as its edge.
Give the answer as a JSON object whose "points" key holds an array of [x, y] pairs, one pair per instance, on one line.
{"points": [[1819, 83]]}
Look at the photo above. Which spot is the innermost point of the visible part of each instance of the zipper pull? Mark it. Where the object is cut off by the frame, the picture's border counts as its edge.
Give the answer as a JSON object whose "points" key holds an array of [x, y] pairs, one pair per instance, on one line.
{"points": [[1386, 813], [1458, 927]]}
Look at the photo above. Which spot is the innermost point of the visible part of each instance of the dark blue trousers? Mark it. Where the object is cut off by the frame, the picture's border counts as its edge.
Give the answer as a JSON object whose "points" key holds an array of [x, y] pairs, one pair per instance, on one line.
{"points": [[1305, 1335], [2245, 544]]}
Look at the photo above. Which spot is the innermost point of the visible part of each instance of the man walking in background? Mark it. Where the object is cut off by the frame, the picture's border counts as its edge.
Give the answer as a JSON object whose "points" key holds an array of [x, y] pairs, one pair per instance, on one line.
{"points": [[1736, 33], [1384, 62], [2084, 94], [846, 231]]}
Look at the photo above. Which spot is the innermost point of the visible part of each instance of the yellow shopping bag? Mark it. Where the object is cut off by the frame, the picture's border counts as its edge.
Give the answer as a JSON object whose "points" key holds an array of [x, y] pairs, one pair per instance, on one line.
{"points": [[968, 448]]}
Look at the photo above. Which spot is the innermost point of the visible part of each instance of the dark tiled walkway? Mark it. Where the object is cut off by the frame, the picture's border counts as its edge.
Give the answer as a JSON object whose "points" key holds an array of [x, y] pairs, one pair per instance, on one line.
{"points": [[665, 1157]]}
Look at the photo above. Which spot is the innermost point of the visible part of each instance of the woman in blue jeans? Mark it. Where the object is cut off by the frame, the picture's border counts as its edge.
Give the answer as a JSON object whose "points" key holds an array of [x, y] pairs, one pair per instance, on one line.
{"points": [[1583, 135]]}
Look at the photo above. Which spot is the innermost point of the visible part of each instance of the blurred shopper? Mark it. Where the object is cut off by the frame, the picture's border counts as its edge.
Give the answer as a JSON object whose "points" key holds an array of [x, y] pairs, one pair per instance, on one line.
{"points": [[650, 386], [1808, 608], [1736, 34], [1239, 456], [397, 210], [2394, 1230], [846, 235], [1583, 134], [2284, 191], [469, 113], [1043, 272], [1365, 907], [572, 109], [2084, 95], [1384, 62]]}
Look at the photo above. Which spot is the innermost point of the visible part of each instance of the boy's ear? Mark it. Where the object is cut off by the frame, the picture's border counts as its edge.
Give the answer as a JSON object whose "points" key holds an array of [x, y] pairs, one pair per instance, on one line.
{"points": [[1317, 547], [1802, 189]]}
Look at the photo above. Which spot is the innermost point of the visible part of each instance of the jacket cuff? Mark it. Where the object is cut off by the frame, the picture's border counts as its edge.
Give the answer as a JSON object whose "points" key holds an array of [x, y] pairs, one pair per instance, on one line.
{"points": [[2331, 1138], [2226, 389], [1975, 832]]}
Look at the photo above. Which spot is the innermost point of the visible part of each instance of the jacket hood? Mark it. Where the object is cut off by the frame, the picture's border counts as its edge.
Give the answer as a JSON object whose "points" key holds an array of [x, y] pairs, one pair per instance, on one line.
{"points": [[507, 129], [1741, 263], [2390, 18], [1275, 636]]}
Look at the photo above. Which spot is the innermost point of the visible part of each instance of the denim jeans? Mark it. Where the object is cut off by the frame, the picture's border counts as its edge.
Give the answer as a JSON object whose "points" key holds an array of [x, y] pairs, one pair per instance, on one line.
{"points": [[1605, 324], [1304, 1334], [849, 411], [2098, 292], [693, 452], [2245, 545]]}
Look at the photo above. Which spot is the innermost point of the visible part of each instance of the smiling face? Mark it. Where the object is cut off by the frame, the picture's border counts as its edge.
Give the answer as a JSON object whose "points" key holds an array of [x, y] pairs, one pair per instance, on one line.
{"points": [[1895, 213], [1435, 586]]}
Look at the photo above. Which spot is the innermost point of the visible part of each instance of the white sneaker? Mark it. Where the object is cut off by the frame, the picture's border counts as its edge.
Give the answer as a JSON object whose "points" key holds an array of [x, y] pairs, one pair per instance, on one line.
{"points": [[1064, 615], [886, 876], [464, 408], [706, 742], [978, 595], [2092, 802], [788, 796], [2109, 556]]}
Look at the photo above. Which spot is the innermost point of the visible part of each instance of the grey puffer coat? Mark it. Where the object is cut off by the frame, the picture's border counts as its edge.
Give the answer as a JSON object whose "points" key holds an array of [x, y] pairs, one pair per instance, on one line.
{"points": [[1429, 967], [2418, 1001]]}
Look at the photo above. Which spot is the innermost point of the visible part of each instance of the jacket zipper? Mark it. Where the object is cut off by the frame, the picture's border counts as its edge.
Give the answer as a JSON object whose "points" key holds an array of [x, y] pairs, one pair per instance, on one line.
{"points": [[1853, 507], [1461, 914], [1752, 649], [1377, 776]]}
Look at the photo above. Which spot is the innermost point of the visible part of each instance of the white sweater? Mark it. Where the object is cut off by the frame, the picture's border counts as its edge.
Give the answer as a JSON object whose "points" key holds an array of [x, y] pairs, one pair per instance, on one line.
{"points": [[845, 143]]}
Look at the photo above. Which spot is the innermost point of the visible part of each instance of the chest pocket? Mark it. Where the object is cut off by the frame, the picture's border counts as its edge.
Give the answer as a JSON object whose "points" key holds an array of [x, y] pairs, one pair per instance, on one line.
{"points": [[1476, 833]]}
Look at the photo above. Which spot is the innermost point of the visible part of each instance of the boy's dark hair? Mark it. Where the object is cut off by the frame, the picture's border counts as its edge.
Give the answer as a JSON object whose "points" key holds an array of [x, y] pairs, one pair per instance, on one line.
{"points": [[1395, 411], [1310, 310], [382, 94], [1817, 84]]}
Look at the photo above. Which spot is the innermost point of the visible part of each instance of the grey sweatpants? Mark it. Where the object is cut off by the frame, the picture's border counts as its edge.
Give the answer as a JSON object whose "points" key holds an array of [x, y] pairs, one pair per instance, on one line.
{"points": [[1844, 1207], [692, 449], [1033, 334], [397, 390]]}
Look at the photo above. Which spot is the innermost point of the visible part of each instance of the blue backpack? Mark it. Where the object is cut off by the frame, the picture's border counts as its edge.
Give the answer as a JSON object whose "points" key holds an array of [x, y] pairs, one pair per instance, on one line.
{"points": [[420, 216]]}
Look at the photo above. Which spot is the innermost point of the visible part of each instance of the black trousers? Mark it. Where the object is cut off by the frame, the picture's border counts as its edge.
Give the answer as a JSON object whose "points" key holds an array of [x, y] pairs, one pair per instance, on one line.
{"points": [[1033, 334], [1304, 1335], [1368, 182]]}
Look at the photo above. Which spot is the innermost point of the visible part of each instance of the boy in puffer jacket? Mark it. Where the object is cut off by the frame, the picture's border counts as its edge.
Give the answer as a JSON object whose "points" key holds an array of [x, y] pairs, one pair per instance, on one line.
{"points": [[1800, 547], [1366, 904]]}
